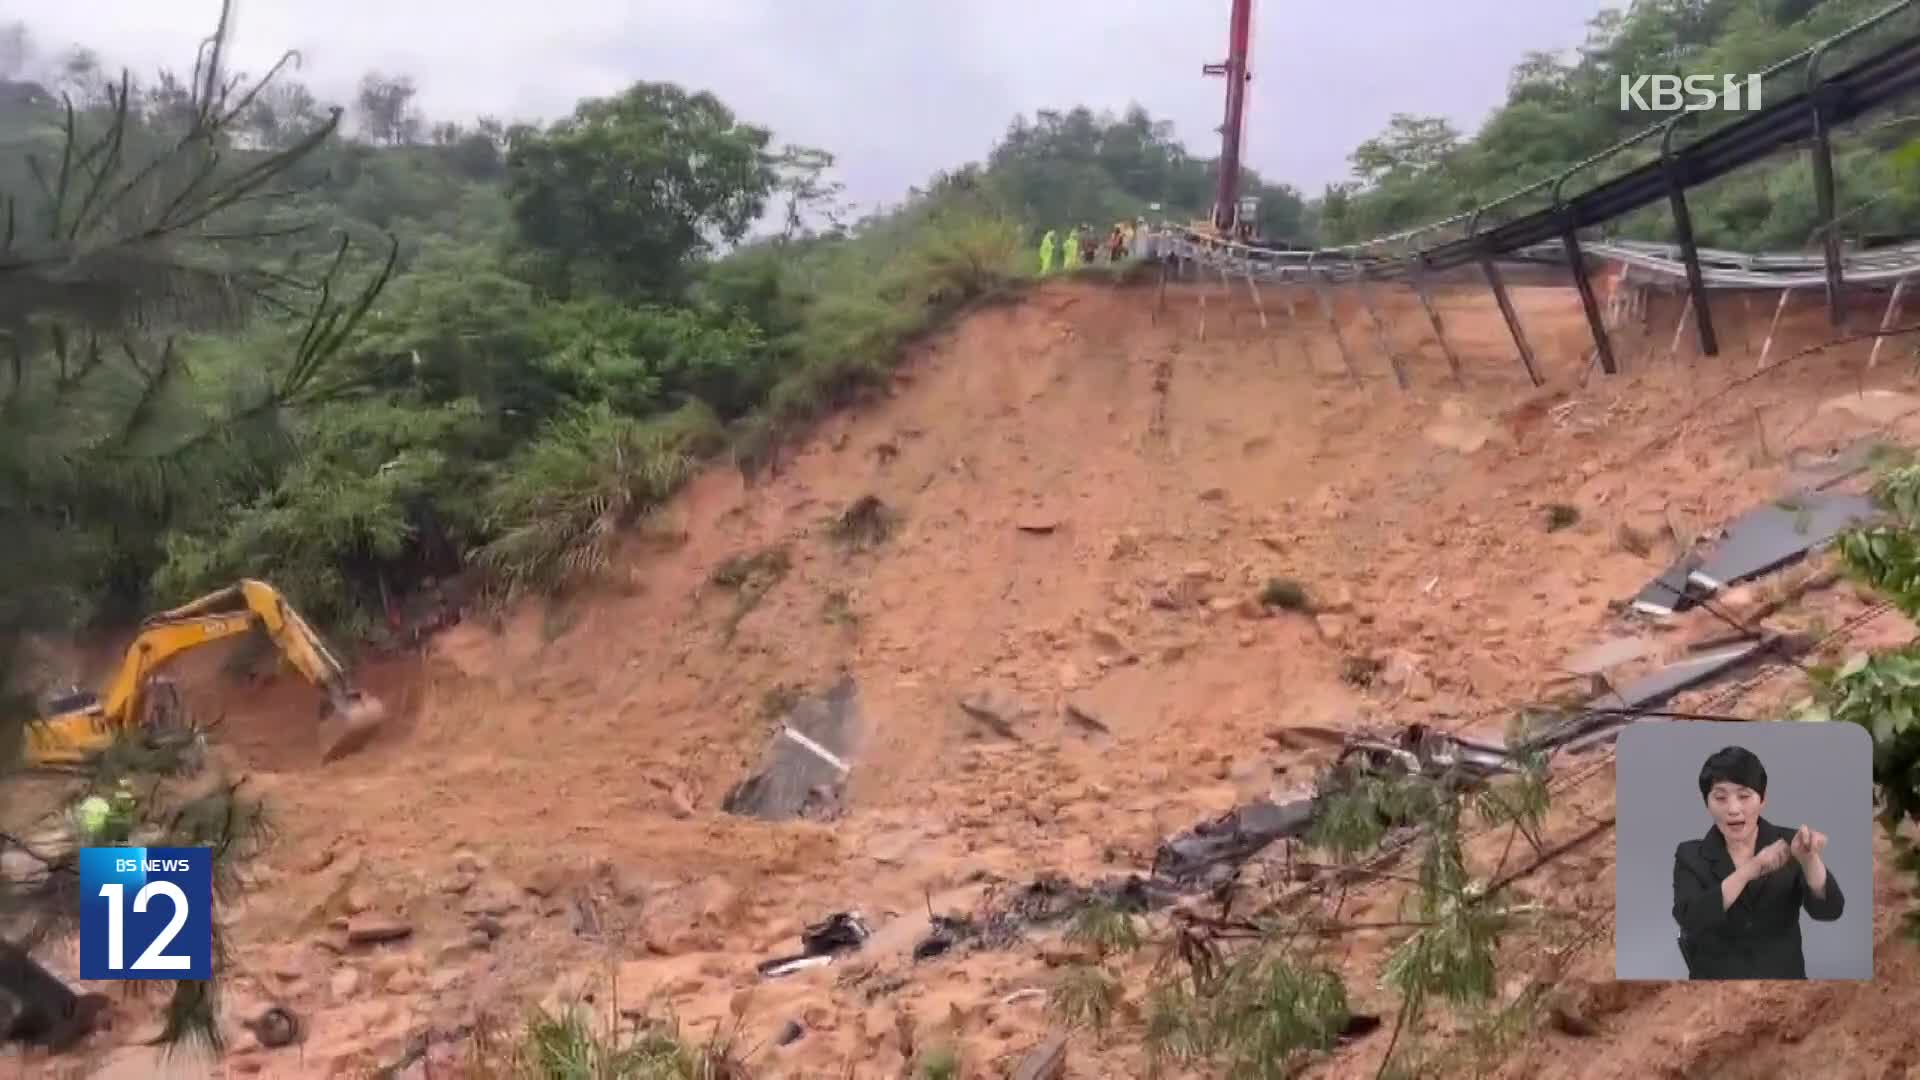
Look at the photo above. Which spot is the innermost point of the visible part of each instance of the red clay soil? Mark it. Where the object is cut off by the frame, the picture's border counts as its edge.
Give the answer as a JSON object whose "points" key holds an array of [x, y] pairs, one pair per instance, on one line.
{"points": [[545, 814]]}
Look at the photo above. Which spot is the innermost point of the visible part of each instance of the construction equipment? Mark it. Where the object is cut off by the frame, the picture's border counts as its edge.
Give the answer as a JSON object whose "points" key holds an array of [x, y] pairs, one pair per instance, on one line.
{"points": [[1230, 216], [76, 725]]}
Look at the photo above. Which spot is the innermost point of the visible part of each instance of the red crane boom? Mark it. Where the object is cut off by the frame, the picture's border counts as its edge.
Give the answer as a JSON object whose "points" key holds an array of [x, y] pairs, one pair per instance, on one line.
{"points": [[1225, 204]]}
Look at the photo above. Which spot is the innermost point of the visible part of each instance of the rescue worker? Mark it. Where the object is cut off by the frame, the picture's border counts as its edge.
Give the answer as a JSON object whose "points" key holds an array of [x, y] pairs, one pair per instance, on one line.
{"points": [[1046, 253], [1070, 255], [1089, 245]]}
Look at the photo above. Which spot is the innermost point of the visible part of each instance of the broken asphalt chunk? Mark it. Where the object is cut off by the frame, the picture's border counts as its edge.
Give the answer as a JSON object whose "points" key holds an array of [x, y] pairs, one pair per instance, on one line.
{"points": [[804, 769], [1045, 1061], [1771, 536], [1757, 542], [1601, 718]]}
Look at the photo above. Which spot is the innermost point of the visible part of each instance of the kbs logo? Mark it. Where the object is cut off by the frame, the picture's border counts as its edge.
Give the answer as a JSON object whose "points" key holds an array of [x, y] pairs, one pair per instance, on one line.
{"points": [[1663, 93], [146, 913]]}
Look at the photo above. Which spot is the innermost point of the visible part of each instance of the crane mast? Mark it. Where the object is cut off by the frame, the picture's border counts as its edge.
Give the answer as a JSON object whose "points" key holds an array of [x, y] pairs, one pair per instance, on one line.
{"points": [[1227, 211]]}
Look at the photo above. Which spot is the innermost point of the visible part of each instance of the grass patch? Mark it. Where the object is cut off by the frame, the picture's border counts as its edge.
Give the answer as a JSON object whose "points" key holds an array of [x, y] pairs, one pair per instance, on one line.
{"points": [[939, 1063], [837, 609], [1085, 996], [1561, 516], [1359, 672], [568, 1046], [750, 577], [1286, 594], [1106, 928], [1259, 1019], [779, 700], [562, 501], [864, 525]]}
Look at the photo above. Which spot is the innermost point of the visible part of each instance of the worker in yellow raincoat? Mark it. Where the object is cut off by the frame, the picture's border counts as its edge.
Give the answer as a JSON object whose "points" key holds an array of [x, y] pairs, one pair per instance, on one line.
{"points": [[1046, 253], [1070, 256]]}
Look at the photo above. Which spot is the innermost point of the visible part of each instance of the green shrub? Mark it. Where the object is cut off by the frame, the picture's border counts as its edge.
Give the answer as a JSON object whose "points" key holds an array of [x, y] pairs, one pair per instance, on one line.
{"points": [[560, 503]]}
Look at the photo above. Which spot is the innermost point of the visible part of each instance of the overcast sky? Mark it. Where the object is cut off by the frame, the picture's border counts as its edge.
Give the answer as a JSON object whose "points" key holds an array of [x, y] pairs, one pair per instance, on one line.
{"points": [[896, 89]]}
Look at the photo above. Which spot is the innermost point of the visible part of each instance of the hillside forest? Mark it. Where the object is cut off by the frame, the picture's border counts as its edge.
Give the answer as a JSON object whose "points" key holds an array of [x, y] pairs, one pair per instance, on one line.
{"points": [[361, 352]]}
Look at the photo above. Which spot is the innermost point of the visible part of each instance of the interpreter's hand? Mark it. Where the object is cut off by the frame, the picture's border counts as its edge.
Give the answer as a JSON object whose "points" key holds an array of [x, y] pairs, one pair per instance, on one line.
{"points": [[1770, 858], [1808, 843]]}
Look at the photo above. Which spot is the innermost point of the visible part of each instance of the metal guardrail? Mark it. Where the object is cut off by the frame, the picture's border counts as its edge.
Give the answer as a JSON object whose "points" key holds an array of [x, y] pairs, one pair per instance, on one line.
{"points": [[1807, 116]]}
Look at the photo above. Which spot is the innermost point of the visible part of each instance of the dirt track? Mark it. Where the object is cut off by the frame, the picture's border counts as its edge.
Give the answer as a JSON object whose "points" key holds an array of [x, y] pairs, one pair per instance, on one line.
{"points": [[566, 773]]}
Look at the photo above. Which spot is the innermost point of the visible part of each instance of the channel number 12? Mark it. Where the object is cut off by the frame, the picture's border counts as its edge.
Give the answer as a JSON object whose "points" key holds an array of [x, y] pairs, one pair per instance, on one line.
{"points": [[153, 959]]}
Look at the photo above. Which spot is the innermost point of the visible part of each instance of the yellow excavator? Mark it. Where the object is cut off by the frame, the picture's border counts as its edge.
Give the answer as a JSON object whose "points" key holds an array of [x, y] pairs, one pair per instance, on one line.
{"points": [[77, 725]]}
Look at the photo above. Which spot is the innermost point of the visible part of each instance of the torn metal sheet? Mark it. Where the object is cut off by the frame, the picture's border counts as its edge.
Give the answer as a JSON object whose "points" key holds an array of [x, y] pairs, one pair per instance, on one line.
{"points": [[1768, 537], [804, 769]]}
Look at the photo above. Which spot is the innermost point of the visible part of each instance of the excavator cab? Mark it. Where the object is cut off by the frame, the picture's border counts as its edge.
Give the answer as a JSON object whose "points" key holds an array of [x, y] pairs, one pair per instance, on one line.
{"points": [[75, 725], [70, 699]]}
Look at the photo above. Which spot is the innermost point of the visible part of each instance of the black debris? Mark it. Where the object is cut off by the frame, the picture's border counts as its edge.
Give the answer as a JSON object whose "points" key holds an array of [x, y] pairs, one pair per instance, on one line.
{"points": [[1230, 839], [1357, 1026], [1086, 719], [990, 710], [1668, 593], [840, 932]]}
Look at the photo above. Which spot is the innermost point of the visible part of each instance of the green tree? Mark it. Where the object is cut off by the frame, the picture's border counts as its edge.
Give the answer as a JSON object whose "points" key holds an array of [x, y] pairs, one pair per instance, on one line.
{"points": [[1560, 112], [387, 114], [122, 250], [1411, 147], [624, 194], [1880, 691]]}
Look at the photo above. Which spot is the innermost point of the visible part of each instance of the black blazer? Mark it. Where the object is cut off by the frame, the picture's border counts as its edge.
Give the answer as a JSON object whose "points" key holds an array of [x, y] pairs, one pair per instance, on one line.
{"points": [[1759, 936]]}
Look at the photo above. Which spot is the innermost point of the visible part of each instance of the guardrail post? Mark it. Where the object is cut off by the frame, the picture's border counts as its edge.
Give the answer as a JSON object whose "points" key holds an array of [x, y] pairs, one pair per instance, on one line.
{"points": [[1689, 252], [1506, 304], [1679, 327], [1379, 327], [1822, 150], [1886, 320], [1767, 345], [1333, 324], [1433, 316], [1513, 318], [1160, 300], [1577, 261]]}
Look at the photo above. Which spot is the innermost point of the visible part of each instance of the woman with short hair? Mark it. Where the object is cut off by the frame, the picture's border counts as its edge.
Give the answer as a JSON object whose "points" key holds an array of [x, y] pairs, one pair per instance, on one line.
{"points": [[1738, 891]]}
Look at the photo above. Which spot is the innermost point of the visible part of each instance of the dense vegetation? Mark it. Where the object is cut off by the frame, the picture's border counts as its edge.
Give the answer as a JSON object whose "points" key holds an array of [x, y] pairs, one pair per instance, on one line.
{"points": [[1561, 110], [578, 312]]}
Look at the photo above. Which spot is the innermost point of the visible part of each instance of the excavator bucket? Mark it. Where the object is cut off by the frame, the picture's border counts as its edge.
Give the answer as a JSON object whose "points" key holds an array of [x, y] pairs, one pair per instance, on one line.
{"points": [[352, 723]]}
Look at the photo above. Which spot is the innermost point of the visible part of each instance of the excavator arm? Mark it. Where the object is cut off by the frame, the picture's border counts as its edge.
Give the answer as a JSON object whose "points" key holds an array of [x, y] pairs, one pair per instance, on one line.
{"points": [[83, 729]]}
